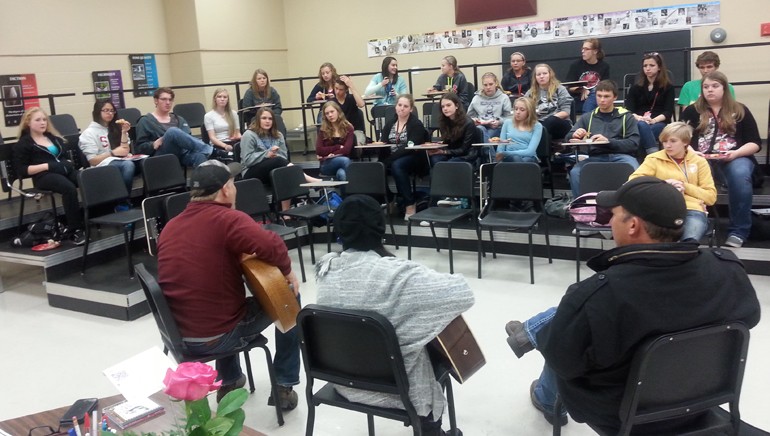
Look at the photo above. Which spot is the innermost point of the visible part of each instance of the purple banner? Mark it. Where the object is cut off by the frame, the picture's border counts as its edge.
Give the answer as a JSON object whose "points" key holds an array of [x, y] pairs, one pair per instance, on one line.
{"points": [[106, 81]]}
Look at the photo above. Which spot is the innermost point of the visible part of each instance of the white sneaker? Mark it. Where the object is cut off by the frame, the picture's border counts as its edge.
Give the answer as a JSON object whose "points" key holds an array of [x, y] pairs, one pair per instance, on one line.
{"points": [[734, 241], [584, 233], [449, 202], [424, 224]]}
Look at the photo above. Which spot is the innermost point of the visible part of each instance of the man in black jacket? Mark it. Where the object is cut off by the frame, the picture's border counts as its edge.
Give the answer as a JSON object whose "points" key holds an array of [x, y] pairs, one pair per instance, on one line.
{"points": [[648, 285]]}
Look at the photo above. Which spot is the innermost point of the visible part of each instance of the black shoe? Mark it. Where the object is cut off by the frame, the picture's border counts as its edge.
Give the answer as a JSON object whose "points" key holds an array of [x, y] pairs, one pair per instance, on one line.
{"points": [[547, 413], [286, 396], [222, 155], [226, 389], [517, 339], [78, 237]]}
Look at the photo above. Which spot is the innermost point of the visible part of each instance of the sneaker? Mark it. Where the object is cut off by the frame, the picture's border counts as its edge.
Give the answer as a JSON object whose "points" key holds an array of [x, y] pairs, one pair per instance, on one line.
{"points": [[78, 237], [226, 389], [584, 233], [449, 202], [223, 155], [734, 241], [517, 338], [410, 210], [287, 397], [424, 224], [547, 413]]}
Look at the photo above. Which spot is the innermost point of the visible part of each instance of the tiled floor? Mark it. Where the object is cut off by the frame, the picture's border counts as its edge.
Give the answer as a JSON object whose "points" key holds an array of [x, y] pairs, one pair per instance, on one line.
{"points": [[51, 357]]}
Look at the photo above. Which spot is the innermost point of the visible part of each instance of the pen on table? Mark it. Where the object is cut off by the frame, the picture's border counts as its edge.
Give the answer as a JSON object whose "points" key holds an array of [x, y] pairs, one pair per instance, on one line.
{"points": [[76, 426]]}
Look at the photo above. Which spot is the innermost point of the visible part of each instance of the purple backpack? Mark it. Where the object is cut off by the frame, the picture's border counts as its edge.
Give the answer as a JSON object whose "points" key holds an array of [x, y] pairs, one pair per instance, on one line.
{"points": [[584, 210]]}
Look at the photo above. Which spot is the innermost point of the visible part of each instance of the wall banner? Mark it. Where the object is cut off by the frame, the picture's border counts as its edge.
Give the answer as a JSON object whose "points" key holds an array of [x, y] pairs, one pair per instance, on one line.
{"points": [[12, 88], [106, 81], [144, 73]]}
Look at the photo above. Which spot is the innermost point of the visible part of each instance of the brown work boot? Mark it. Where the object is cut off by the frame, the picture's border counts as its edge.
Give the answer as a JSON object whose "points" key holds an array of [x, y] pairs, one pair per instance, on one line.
{"points": [[225, 389], [286, 396], [517, 338]]}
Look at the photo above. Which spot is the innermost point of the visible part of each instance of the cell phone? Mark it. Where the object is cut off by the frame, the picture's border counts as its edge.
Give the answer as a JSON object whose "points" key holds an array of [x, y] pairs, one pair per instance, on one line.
{"points": [[79, 409]]}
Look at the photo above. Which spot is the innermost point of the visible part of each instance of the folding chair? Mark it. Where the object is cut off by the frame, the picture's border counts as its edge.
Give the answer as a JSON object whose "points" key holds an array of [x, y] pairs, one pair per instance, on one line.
{"points": [[154, 215], [369, 178], [175, 204], [193, 113], [358, 349], [515, 181], [544, 154], [448, 179], [103, 186], [251, 199], [172, 338], [162, 174]]}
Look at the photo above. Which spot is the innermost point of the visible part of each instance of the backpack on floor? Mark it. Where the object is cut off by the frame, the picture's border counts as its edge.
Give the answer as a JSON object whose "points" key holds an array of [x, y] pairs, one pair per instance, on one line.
{"points": [[584, 210], [38, 232]]}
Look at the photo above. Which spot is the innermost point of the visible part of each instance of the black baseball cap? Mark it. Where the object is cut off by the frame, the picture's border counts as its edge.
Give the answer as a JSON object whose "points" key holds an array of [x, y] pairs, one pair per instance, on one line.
{"points": [[649, 198], [210, 176]]}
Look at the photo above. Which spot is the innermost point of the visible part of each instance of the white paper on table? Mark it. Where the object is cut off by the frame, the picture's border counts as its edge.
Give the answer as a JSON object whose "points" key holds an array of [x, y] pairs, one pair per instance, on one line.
{"points": [[142, 375]]}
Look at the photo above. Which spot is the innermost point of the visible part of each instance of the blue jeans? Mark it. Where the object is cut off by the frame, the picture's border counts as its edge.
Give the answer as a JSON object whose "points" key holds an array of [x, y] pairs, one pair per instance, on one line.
{"points": [[574, 174], [589, 104], [519, 158], [336, 167], [695, 225], [436, 158], [489, 132], [737, 175], [127, 169], [546, 389], [402, 169], [285, 361], [190, 150], [648, 136]]}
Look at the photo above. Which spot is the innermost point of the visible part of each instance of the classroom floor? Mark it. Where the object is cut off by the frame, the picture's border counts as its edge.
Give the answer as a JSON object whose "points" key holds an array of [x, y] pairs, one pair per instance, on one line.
{"points": [[53, 357]]}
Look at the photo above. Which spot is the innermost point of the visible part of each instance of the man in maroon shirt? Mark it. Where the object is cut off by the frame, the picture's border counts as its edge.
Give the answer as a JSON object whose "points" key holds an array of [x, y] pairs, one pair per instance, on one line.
{"points": [[199, 256]]}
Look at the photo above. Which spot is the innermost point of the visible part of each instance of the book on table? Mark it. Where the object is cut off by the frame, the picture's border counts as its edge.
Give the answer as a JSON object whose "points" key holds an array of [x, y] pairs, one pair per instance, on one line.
{"points": [[129, 413]]}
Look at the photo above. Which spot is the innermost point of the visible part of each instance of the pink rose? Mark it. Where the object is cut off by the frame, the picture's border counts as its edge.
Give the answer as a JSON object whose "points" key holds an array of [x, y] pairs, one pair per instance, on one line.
{"points": [[191, 381]]}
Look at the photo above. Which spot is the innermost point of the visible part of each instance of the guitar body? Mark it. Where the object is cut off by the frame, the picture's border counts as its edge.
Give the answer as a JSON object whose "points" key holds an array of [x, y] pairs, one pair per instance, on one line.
{"points": [[457, 347], [269, 287]]}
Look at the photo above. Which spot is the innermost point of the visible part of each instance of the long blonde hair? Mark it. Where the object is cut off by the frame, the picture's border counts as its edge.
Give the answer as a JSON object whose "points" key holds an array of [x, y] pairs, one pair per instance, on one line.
{"points": [[342, 125], [529, 123], [553, 84], [731, 112], [27, 118], [228, 111]]}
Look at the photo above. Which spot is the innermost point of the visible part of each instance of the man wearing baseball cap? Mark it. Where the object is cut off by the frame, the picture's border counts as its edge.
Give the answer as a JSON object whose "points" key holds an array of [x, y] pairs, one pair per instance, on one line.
{"points": [[199, 256], [649, 284]]}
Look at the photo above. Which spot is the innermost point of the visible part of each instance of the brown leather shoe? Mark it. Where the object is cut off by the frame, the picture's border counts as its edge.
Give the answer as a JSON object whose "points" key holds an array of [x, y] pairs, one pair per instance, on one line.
{"points": [[517, 338], [225, 389], [287, 397]]}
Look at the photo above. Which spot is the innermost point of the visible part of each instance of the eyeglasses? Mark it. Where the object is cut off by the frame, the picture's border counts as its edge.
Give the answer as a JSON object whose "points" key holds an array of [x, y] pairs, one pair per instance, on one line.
{"points": [[108, 111], [44, 430]]}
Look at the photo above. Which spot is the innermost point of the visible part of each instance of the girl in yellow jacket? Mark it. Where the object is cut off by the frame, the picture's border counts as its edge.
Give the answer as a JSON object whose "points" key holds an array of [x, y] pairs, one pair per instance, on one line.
{"points": [[687, 172]]}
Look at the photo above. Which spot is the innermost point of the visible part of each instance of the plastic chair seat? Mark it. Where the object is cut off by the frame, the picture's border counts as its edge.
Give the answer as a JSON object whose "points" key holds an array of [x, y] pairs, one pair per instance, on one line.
{"points": [[509, 219], [441, 215], [119, 218]]}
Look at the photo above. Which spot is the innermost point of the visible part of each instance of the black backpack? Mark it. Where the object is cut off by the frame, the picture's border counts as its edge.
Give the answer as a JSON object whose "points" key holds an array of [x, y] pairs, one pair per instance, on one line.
{"points": [[38, 232]]}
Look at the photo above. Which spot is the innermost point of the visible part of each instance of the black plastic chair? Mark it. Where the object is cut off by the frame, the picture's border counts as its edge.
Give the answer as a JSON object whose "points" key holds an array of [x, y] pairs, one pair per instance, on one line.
{"points": [[380, 115], [686, 374], [172, 338], [132, 115], [66, 125], [162, 174], [448, 179], [596, 177], [369, 178], [286, 186], [193, 113], [427, 114], [103, 186], [358, 349], [8, 176], [515, 181], [544, 154], [435, 116], [175, 204], [251, 199], [154, 215]]}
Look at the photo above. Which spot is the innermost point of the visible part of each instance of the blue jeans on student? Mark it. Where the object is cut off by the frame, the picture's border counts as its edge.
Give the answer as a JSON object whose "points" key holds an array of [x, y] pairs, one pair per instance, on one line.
{"points": [[401, 169], [190, 150], [519, 158], [336, 167], [285, 361], [546, 389], [127, 169], [737, 175], [695, 225], [574, 174], [589, 104], [489, 132], [648, 136]]}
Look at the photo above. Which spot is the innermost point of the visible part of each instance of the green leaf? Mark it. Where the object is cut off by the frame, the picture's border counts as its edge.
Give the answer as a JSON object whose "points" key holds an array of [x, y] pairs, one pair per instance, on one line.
{"points": [[199, 431], [238, 416], [198, 412], [232, 401], [219, 426]]}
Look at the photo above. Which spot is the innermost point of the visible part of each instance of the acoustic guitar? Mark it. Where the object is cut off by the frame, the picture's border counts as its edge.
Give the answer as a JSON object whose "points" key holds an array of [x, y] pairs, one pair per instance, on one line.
{"points": [[269, 287], [456, 347]]}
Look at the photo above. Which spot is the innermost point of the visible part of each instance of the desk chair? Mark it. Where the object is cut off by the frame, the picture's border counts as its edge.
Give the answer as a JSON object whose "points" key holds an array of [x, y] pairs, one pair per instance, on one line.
{"points": [[175, 204], [154, 215], [172, 338], [515, 181], [358, 349], [66, 125], [251, 199], [685, 374], [544, 154], [380, 115], [595, 177], [162, 174], [103, 186], [449, 179], [193, 113], [132, 115], [369, 178]]}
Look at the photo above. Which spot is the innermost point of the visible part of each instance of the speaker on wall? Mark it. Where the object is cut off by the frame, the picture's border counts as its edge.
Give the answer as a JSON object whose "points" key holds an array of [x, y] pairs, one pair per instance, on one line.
{"points": [[718, 35]]}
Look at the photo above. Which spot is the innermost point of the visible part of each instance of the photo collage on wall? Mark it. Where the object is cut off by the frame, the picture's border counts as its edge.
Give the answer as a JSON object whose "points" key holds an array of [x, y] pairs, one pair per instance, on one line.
{"points": [[579, 26]]}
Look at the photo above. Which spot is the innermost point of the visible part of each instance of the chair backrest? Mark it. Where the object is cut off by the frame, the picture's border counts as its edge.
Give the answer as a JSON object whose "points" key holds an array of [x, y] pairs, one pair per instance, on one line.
{"points": [[380, 116], [101, 185], [7, 170], [517, 181], [132, 115], [154, 214], [193, 113], [686, 372], [452, 179], [470, 89], [175, 204], [427, 113], [251, 197], [544, 147], [169, 332], [286, 181], [435, 116], [604, 176], [162, 173], [65, 124], [367, 178], [354, 348]]}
